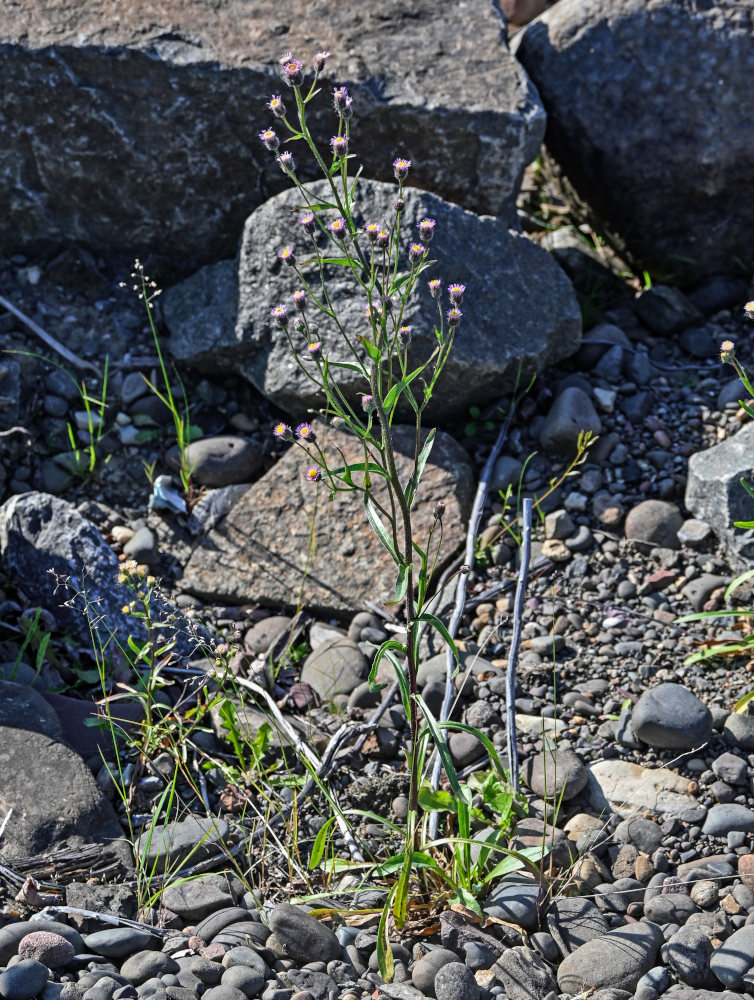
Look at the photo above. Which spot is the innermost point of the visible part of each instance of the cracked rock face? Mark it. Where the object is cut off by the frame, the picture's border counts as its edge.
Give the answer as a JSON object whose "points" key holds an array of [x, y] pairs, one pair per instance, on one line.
{"points": [[139, 134], [649, 124]]}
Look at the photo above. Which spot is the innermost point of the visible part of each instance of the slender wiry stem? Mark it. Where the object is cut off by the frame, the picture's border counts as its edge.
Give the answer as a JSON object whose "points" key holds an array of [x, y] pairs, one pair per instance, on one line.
{"points": [[518, 614]]}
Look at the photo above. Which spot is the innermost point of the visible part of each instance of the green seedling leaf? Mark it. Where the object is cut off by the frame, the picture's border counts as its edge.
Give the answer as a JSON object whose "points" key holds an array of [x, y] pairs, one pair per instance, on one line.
{"points": [[384, 951], [320, 841], [379, 528], [439, 801], [435, 622], [515, 860], [442, 748], [735, 584], [384, 651], [372, 350]]}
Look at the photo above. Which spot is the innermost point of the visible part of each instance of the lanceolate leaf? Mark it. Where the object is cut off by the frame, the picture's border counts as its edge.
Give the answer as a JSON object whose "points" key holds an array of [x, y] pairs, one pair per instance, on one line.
{"points": [[401, 584], [413, 483], [392, 397], [379, 528]]}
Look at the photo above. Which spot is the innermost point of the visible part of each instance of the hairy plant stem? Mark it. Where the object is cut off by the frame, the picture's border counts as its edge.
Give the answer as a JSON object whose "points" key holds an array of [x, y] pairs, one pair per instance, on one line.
{"points": [[408, 554]]}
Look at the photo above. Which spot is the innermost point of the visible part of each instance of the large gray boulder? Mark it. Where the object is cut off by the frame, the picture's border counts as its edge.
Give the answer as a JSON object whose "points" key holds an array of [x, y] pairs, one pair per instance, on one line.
{"points": [[64, 564], [714, 493], [261, 551], [519, 307], [56, 802], [138, 133], [649, 124]]}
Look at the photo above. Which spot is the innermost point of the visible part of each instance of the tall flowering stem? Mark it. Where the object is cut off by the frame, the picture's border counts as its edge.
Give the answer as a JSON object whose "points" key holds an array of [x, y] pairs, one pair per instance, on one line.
{"points": [[386, 269]]}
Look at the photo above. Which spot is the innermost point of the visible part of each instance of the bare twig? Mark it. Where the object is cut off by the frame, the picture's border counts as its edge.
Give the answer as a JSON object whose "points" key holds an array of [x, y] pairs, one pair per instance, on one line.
{"points": [[48, 338], [108, 918], [518, 613], [15, 430]]}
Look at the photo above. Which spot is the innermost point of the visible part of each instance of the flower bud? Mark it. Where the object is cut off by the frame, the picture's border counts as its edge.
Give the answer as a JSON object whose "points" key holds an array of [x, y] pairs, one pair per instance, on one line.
{"points": [[286, 162], [435, 288], [319, 60], [270, 139], [401, 168], [276, 106], [439, 510], [292, 73]]}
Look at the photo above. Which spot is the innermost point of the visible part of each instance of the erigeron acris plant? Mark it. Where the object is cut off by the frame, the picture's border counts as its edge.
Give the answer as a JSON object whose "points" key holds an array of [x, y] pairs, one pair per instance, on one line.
{"points": [[387, 266]]}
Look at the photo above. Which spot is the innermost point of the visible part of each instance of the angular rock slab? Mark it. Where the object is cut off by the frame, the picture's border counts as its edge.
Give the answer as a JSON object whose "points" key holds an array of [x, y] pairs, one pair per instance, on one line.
{"points": [[43, 538], [259, 552], [668, 183], [55, 800], [519, 307], [629, 788], [140, 133], [714, 492]]}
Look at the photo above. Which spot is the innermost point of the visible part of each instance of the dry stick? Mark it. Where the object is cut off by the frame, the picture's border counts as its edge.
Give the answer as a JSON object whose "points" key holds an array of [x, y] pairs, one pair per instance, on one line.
{"points": [[476, 515], [518, 614], [48, 339]]}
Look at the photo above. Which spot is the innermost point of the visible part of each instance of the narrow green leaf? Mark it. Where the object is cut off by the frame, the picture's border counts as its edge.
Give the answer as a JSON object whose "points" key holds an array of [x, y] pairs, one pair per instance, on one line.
{"points": [[515, 860], [435, 622], [318, 848], [401, 584], [400, 904], [372, 350], [413, 484], [379, 528], [734, 584], [384, 951], [360, 467], [442, 747], [392, 397], [349, 366], [387, 645], [743, 701]]}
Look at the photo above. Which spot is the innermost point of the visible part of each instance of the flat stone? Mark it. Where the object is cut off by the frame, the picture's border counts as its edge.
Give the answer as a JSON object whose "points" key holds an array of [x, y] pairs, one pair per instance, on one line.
{"points": [[144, 965], [615, 960], [628, 788], [120, 942], [515, 902], [195, 899], [260, 551], [179, 843]]}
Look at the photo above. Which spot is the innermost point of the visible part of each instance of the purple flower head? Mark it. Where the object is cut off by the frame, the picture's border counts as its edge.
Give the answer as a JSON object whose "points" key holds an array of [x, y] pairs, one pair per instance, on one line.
{"points": [[338, 226], [313, 474], [305, 432], [287, 255], [404, 335], [401, 168], [299, 299], [276, 106], [454, 316], [346, 112], [727, 351], [339, 97], [427, 229], [439, 510], [280, 314], [415, 252], [293, 73], [283, 432], [456, 293], [315, 350], [749, 310], [320, 59], [270, 139], [372, 230], [306, 222], [383, 238], [339, 144], [367, 403], [435, 288], [286, 162]]}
